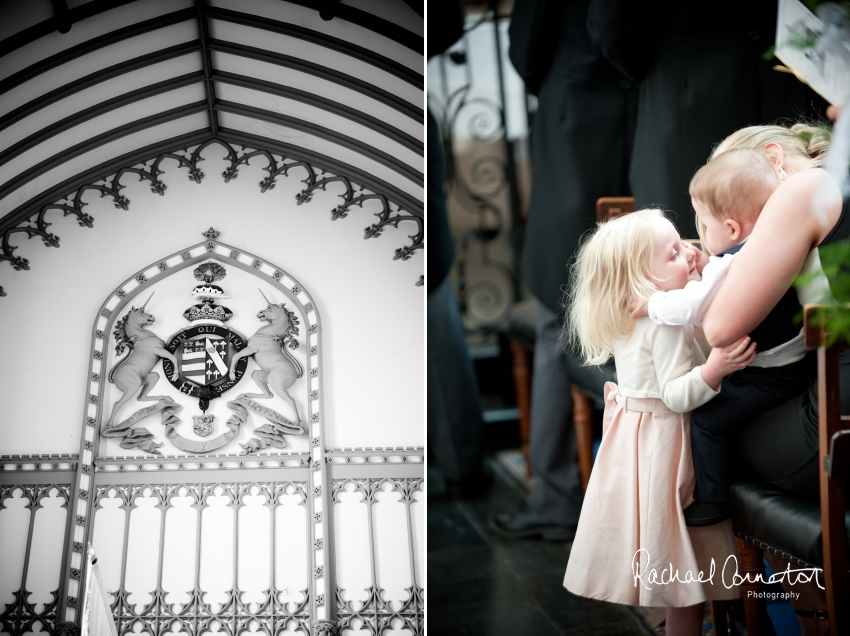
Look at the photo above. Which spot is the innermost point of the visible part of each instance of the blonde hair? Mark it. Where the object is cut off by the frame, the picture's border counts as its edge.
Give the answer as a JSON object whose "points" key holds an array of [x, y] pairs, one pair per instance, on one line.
{"points": [[612, 267], [803, 141], [736, 184]]}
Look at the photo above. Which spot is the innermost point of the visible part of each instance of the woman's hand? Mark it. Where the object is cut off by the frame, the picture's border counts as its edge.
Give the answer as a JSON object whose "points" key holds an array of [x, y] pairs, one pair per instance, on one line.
{"points": [[833, 112], [724, 360]]}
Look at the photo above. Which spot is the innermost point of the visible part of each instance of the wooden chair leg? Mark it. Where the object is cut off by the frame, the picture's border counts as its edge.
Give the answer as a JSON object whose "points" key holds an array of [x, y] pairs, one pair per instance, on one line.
{"points": [[583, 421], [752, 565], [718, 618], [521, 366], [834, 530]]}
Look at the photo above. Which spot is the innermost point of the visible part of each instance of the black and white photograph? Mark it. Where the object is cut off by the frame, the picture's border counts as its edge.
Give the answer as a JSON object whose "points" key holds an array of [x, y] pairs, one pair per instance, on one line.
{"points": [[212, 269]]}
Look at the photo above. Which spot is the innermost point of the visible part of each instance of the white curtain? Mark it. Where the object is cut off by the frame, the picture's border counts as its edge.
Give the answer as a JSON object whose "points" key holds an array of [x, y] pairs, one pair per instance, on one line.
{"points": [[97, 616]]}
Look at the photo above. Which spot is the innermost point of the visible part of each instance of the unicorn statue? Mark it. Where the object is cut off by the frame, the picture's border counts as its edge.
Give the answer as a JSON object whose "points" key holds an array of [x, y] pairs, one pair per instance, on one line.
{"points": [[135, 371], [278, 369]]}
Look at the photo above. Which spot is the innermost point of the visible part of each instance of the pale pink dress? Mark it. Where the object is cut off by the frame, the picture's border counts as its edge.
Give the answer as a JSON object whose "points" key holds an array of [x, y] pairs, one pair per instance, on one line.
{"points": [[643, 477]]}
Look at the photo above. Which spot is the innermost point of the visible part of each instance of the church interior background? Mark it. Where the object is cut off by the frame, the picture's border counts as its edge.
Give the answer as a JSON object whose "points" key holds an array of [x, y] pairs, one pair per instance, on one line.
{"points": [[208, 375]]}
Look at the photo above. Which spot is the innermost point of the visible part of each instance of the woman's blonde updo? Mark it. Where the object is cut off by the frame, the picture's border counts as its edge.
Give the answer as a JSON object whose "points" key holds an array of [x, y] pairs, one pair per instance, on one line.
{"points": [[803, 141], [612, 267]]}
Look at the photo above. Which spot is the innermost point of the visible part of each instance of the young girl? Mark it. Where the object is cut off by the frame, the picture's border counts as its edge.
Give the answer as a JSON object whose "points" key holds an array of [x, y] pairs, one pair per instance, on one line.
{"points": [[631, 521]]}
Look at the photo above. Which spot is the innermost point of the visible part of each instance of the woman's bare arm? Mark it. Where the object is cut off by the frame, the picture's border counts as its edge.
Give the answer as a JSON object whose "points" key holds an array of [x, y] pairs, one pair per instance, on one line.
{"points": [[795, 219]]}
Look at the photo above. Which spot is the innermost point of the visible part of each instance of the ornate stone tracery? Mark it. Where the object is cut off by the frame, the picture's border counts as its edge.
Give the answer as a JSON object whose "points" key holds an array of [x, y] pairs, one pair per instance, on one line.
{"points": [[389, 213]]}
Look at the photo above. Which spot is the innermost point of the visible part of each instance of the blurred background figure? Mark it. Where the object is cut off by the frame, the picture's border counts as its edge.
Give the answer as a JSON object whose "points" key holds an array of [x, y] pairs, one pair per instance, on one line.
{"points": [[581, 142], [454, 408], [705, 70], [480, 583]]}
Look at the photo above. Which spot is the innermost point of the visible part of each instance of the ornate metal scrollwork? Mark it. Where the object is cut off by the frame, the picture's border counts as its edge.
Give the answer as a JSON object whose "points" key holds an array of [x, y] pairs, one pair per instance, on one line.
{"points": [[480, 181], [389, 214]]}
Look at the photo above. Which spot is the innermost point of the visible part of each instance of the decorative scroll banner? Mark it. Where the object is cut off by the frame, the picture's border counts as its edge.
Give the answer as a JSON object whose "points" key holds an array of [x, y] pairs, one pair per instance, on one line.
{"points": [[141, 437], [270, 434]]}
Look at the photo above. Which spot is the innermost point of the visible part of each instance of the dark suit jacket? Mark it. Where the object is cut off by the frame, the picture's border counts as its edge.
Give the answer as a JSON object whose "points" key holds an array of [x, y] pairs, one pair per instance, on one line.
{"points": [[580, 137], [441, 35], [701, 78]]}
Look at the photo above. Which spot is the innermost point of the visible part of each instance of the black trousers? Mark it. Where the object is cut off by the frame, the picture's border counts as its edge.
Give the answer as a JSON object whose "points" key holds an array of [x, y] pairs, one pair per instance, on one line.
{"points": [[743, 396], [781, 445]]}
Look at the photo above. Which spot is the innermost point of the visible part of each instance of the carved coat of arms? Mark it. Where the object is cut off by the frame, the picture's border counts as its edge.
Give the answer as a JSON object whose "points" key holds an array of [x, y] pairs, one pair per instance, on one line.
{"points": [[206, 346], [205, 359]]}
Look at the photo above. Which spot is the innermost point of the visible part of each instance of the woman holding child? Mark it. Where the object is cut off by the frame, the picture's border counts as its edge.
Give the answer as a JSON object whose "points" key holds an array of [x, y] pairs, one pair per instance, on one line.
{"points": [[759, 183], [806, 212]]}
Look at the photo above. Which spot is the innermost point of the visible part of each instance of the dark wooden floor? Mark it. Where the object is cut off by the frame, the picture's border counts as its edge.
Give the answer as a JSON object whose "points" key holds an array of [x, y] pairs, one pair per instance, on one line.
{"points": [[479, 583]]}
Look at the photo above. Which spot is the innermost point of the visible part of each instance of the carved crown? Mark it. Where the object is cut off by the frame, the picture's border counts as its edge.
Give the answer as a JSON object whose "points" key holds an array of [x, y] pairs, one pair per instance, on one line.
{"points": [[208, 311]]}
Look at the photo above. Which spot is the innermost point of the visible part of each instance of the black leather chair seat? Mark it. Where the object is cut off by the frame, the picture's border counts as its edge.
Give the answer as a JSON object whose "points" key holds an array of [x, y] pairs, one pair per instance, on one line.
{"points": [[785, 523]]}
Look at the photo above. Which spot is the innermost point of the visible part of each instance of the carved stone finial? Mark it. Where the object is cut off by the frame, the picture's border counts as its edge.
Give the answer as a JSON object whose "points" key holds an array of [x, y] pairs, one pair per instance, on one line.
{"points": [[67, 628], [322, 628], [211, 234], [210, 272]]}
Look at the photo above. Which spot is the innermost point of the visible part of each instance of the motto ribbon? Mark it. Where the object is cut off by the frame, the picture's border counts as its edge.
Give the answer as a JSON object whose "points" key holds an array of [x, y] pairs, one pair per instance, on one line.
{"points": [[141, 437], [269, 434]]}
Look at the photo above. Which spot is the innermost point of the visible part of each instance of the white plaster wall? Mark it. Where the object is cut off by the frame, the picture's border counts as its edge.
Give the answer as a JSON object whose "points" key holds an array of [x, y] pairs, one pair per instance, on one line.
{"points": [[372, 314]]}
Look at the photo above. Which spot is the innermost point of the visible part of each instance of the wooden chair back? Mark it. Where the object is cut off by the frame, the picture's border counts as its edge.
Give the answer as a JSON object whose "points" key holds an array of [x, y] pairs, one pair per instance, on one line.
{"points": [[608, 207], [834, 451]]}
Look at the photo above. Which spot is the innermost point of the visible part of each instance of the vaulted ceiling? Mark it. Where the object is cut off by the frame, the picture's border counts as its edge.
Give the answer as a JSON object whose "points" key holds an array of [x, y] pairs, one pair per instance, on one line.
{"points": [[99, 91]]}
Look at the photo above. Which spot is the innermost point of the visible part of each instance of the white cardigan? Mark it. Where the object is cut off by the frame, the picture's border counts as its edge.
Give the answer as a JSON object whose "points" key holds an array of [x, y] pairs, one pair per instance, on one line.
{"points": [[661, 361]]}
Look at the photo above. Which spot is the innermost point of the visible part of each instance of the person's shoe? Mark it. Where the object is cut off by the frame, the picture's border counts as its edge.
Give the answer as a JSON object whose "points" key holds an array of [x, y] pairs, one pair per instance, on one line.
{"points": [[702, 513], [527, 523]]}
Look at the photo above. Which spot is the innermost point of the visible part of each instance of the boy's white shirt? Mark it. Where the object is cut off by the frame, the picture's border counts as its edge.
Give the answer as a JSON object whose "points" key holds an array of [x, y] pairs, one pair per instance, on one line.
{"points": [[687, 306]]}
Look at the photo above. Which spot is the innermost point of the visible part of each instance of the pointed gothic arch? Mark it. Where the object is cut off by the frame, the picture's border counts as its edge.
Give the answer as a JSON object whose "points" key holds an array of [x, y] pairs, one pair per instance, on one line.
{"points": [[308, 468]]}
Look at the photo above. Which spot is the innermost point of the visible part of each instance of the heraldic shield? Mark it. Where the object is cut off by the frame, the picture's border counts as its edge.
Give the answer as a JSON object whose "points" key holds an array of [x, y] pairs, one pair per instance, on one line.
{"points": [[205, 359]]}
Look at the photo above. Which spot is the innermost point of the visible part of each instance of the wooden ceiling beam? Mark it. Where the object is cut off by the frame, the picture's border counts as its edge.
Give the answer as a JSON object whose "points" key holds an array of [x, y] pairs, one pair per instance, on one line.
{"points": [[206, 57], [95, 78], [72, 53], [337, 77], [63, 156], [315, 37], [372, 22], [378, 125], [54, 128], [46, 27]]}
